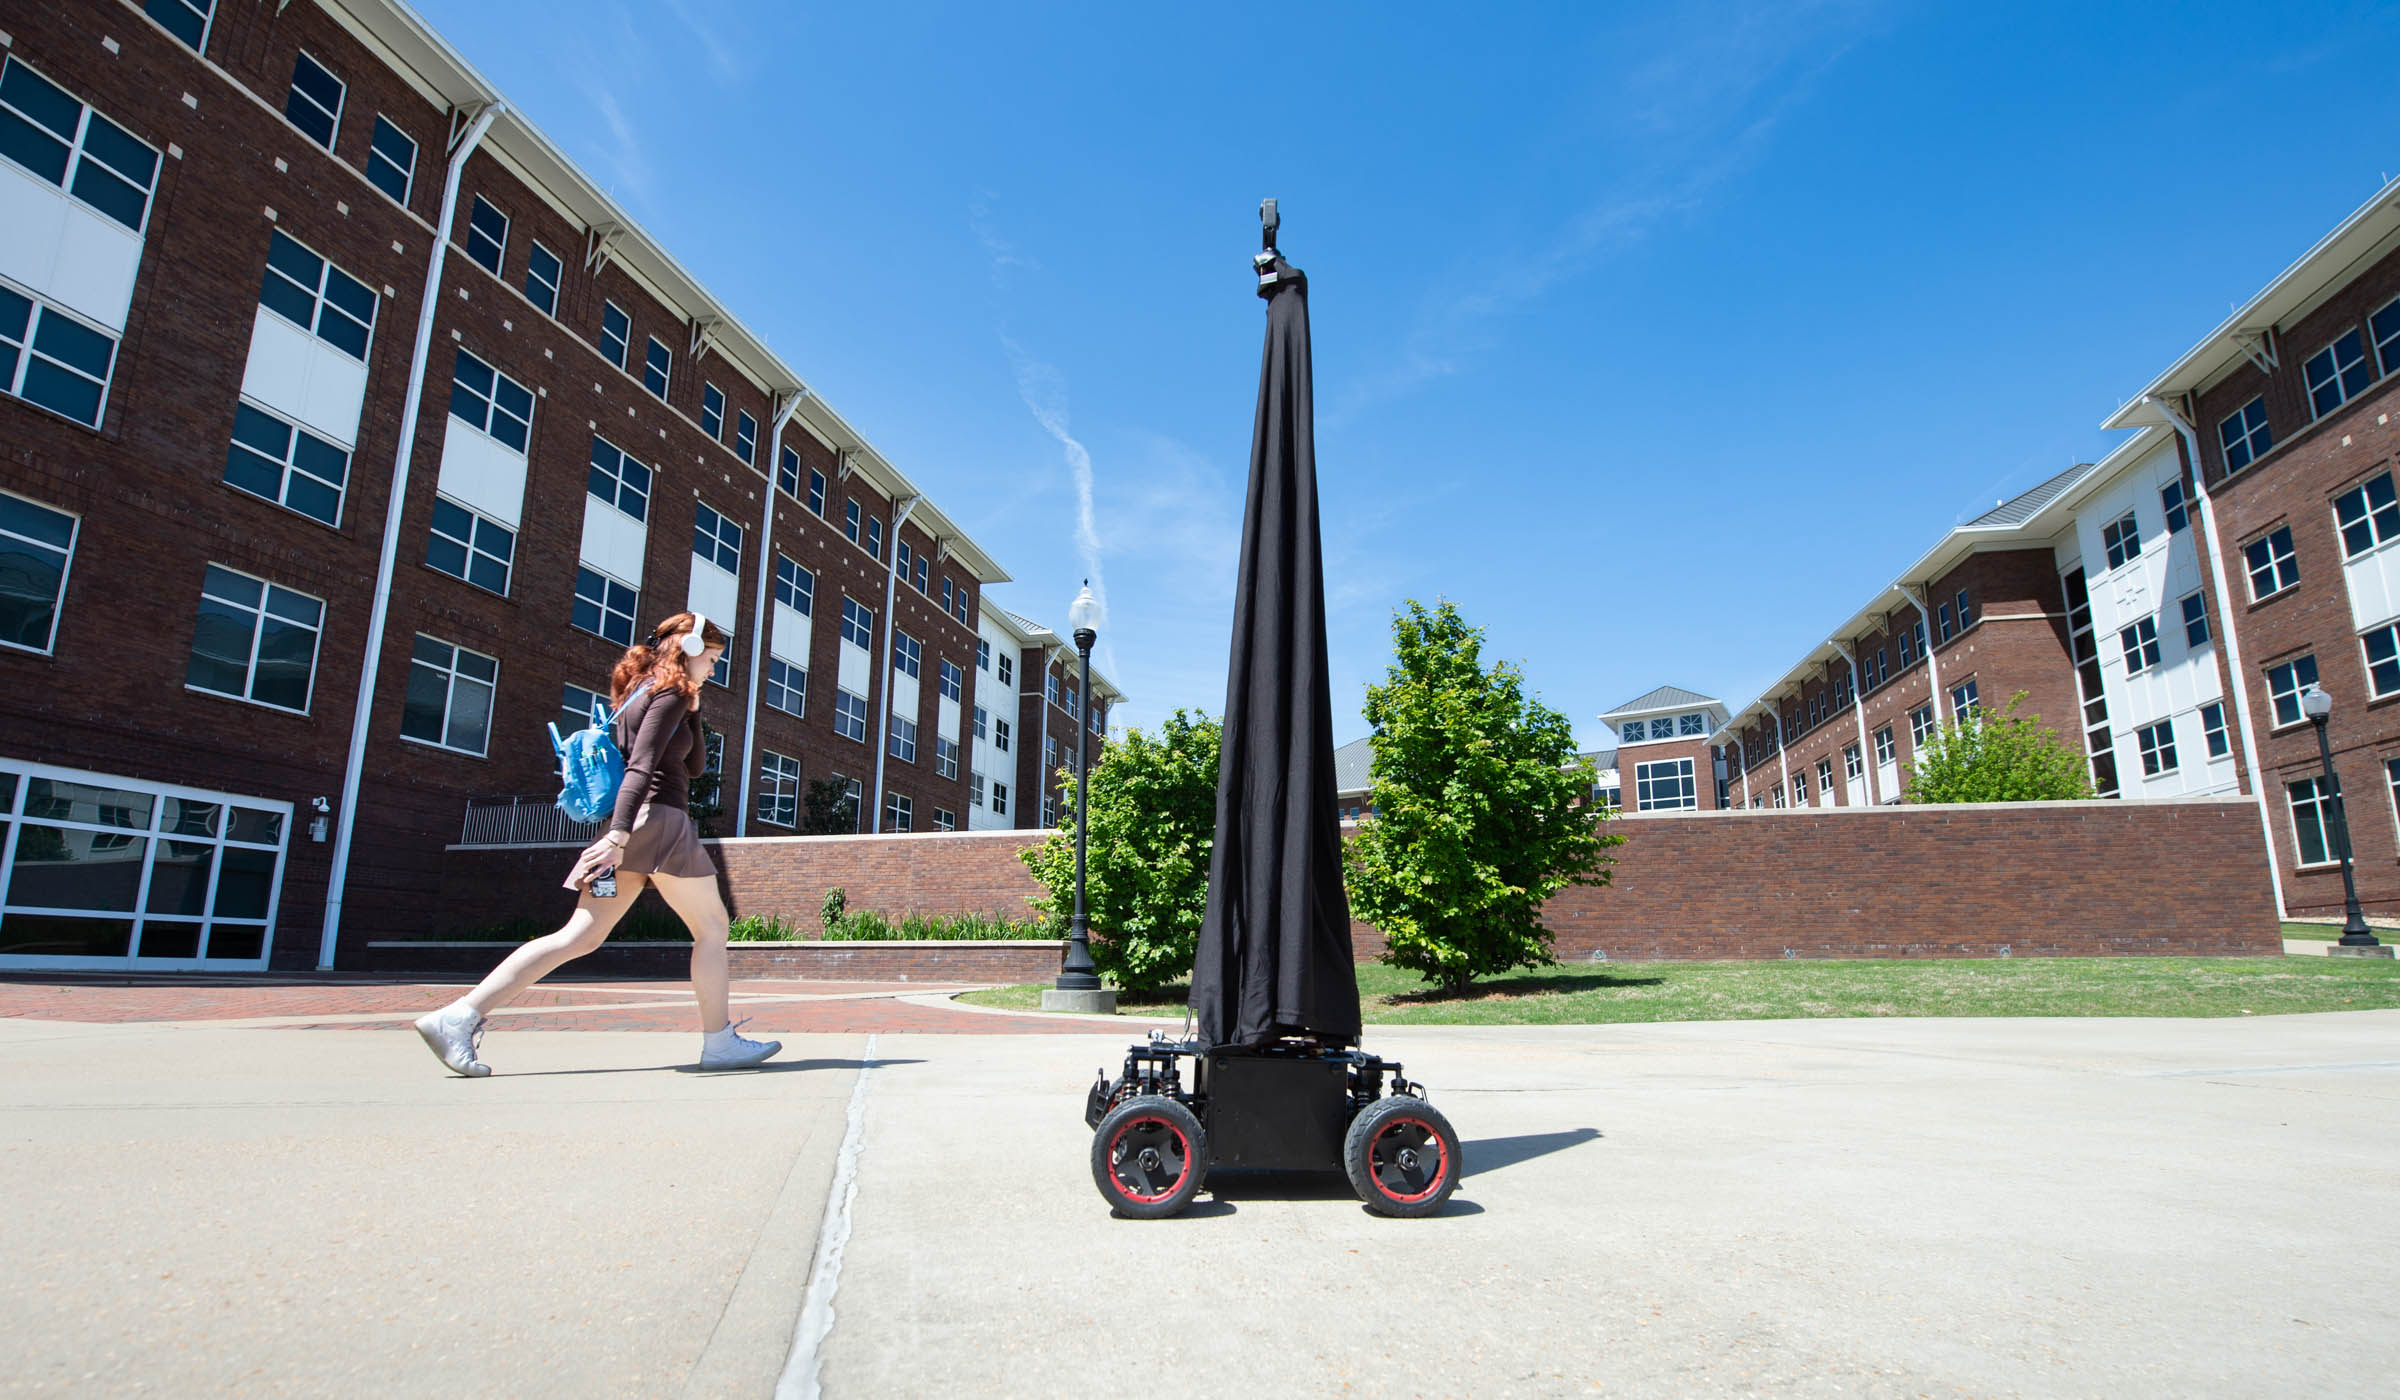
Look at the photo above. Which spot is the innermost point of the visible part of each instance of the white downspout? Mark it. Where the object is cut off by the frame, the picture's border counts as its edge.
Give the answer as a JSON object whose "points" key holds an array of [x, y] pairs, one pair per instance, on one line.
{"points": [[891, 595], [761, 619], [1745, 752], [380, 613], [1933, 668], [1858, 708], [2233, 645], [1782, 763]]}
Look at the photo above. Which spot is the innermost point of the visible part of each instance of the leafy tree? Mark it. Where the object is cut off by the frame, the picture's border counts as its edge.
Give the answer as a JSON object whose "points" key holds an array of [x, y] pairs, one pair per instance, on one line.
{"points": [[2008, 757], [1476, 818], [1154, 822], [830, 809]]}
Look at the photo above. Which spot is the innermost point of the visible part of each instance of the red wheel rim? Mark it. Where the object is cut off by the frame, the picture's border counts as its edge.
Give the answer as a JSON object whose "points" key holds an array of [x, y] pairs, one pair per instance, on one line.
{"points": [[1395, 1159], [1138, 1143]]}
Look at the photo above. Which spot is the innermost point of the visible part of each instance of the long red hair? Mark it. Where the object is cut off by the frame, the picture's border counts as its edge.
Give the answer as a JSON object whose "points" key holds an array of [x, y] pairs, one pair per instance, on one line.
{"points": [[659, 660]]}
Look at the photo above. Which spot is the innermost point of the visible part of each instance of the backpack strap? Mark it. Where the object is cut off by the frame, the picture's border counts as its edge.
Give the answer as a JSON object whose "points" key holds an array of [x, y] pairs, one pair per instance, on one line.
{"points": [[630, 697]]}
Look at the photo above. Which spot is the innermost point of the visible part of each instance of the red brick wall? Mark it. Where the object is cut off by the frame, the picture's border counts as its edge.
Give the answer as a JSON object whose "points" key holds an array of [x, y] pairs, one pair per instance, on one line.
{"points": [[2072, 878]]}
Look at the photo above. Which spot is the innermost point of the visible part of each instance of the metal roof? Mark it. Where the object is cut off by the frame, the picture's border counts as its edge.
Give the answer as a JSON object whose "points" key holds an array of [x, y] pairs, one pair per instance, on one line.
{"points": [[1351, 763], [1033, 634], [1666, 697], [2026, 504]]}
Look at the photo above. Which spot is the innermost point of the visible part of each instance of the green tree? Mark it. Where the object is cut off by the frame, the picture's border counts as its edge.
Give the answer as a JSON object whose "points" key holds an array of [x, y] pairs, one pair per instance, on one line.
{"points": [[2007, 757], [1154, 822], [1476, 821], [831, 810]]}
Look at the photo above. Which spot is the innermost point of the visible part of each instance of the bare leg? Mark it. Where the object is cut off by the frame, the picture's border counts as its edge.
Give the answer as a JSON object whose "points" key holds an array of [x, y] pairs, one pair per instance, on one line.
{"points": [[694, 898], [585, 930]]}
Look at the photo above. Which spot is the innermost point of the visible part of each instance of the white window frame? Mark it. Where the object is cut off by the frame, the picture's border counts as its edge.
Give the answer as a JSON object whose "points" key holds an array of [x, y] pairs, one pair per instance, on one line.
{"points": [[779, 789], [719, 543], [858, 624], [473, 545], [288, 465], [205, 9], [2281, 569], [28, 351], [745, 437], [908, 655], [899, 813], [2175, 506], [334, 117], [66, 569], [2337, 374], [453, 677], [623, 338], [2238, 430], [2140, 641], [613, 467], [787, 681], [902, 743], [2321, 802], [2378, 521], [1665, 785], [849, 715], [630, 612], [655, 352], [2122, 538], [258, 612], [712, 406], [534, 252], [2195, 615], [2278, 695], [475, 230], [2157, 744], [376, 155], [795, 586], [320, 302], [953, 681], [2214, 740], [1966, 698], [945, 758], [1887, 749], [2386, 666], [492, 408], [1921, 725]]}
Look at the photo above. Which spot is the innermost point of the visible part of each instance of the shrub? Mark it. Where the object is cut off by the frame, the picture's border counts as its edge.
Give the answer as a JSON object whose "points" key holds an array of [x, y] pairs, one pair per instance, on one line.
{"points": [[2006, 757], [830, 912]]}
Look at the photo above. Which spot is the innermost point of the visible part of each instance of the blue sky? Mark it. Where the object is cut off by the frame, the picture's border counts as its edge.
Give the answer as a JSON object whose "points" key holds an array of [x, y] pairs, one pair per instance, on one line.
{"points": [[1655, 337]]}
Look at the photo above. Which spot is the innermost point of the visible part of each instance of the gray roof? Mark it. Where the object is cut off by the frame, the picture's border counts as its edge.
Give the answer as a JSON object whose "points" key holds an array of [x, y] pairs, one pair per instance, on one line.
{"points": [[2020, 508], [1666, 697], [1350, 764]]}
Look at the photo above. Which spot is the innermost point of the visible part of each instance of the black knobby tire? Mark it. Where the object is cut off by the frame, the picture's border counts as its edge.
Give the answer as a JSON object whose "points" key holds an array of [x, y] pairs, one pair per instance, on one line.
{"points": [[1402, 1156], [1148, 1157]]}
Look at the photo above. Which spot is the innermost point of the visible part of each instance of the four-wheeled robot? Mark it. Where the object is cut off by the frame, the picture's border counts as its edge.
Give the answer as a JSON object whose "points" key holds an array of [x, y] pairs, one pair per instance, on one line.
{"points": [[1293, 1104]]}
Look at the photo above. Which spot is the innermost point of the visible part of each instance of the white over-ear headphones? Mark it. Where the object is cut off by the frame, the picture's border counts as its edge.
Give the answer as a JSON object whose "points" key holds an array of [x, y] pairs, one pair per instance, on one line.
{"points": [[694, 642]]}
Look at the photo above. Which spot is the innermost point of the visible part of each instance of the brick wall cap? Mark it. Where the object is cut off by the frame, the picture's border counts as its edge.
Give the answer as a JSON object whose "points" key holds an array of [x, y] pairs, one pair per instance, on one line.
{"points": [[1900, 809]]}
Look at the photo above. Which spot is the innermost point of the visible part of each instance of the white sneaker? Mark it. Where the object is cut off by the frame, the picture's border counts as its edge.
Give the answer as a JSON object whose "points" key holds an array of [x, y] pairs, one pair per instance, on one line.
{"points": [[453, 1033], [729, 1049]]}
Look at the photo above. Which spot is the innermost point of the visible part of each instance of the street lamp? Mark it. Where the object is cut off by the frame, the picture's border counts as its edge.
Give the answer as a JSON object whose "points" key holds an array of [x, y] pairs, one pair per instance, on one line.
{"points": [[2318, 706], [1078, 986]]}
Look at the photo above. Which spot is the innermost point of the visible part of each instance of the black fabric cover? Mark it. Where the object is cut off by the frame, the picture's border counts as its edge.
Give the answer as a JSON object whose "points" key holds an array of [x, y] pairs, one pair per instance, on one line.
{"points": [[1274, 952]]}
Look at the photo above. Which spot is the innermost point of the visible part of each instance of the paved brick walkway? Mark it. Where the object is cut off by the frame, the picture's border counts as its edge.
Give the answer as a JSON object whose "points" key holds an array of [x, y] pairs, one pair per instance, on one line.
{"points": [[773, 1006]]}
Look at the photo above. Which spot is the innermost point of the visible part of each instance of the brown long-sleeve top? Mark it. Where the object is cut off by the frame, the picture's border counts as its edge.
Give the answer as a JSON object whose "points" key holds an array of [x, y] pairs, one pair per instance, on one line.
{"points": [[664, 751]]}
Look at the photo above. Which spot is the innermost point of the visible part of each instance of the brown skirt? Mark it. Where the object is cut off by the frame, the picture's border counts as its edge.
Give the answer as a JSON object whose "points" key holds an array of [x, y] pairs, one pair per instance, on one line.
{"points": [[665, 843]]}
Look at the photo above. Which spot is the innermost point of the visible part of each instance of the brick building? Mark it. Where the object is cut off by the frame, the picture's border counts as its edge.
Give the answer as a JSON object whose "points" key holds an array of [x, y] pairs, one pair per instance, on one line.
{"points": [[1023, 744], [331, 376], [2282, 417], [1663, 743]]}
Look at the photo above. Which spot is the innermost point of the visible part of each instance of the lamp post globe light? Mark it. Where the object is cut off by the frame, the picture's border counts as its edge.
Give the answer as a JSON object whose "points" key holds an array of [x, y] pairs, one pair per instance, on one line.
{"points": [[1078, 987], [2318, 706]]}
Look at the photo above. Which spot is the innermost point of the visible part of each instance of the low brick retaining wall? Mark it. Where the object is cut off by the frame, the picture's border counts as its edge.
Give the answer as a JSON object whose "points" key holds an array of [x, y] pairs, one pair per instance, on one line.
{"points": [[1008, 962], [2157, 876]]}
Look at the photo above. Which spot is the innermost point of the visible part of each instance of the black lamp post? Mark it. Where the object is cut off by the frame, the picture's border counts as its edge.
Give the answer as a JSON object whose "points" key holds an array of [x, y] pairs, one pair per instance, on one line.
{"points": [[2318, 706], [1077, 974]]}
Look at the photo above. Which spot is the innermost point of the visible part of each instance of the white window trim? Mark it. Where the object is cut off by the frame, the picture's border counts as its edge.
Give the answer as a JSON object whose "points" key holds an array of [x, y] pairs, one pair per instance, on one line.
{"points": [[408, 177], [557, 289], [42, 305], [466, 241], [451, 693], [58, 608], [250, 674], [292, 87]]}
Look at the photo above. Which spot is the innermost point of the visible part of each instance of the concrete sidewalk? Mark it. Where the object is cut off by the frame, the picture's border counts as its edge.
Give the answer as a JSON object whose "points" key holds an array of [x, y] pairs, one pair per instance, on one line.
{"points": [[1838, 1208]]}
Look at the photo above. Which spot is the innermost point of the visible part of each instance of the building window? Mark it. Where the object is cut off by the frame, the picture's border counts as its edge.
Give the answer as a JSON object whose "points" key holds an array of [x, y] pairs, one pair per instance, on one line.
{"points": [[2383, 660], [787, 473], [816, 493], [603, 606], [449, 696], [1073, 699], [1906, 643], [576, 704], [318, 297], [315, 102], [787, 686], [36, 546], [1049, 754], [850, 518], [392, 160], [898, 812], [1963, 701], [1692, 726], [2284, 684], [2337, 373], [745, 436], [62, 365], [979, 723], [946, 595], [487, 235], [1800, 788], [185, 19], [712, 410], [1000, 735], [2171, 501], [1665, 786], [908, 655], [1885, 751], [2195, 620], [2212, 730], [64, 143], [906, 557], [1920, 725], [779, 789], [944, 819], [875, 536], [2158, 748], [2315, 824], [255, 641], [1854, 766], [1943, 629], [1825, 777], [921, 575], [1000, 799], [858, 623], [2141, 645], [542, 270], [482, 397], [1007, 669], [983, 654], [959, 609], [1607, 799], [945, 758], [616, 333], [954, 681], [618, 480], [716, 539], [1049, 812], [2123, 537], [2244, 434], [1966, 611], [854, 802], [288, 465], [657, 363], [467, 544], [795, 587], [902, 743], [2368, 515], [974, 789], [850, 715], [2273, 566], [722, 672]]}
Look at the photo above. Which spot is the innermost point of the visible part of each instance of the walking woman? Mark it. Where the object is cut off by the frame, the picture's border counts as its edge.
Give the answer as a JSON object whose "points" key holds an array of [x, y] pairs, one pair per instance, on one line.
{"points": [[650, 840]]}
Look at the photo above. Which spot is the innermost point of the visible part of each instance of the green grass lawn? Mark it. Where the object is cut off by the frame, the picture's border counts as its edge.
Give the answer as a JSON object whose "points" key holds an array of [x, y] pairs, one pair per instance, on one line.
{"points": [[2331, 933], [1601, 993]]}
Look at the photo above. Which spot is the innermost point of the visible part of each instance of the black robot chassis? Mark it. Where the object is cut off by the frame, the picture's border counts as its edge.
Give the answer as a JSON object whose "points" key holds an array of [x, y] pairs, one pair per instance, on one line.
{"points": [[1289, 1105]]}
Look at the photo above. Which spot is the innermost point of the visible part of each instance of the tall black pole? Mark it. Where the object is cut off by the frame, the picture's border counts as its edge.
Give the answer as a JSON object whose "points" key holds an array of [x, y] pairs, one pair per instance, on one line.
{"points": [[2355, 933], [1078, 974]]}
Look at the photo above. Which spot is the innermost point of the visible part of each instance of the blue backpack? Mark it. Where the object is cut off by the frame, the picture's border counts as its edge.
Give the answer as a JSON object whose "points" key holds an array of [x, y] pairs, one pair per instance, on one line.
{"points": [[589, 766]]}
